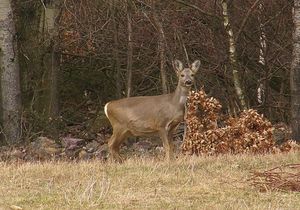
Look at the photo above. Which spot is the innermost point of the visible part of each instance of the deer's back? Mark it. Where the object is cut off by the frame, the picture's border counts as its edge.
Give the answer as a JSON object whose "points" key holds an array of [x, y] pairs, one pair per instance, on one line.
{"points": [[144, 114]]}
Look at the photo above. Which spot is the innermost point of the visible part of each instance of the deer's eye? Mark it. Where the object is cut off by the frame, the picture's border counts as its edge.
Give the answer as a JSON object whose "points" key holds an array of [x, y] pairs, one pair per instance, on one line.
{"points": [[192, 75], [182, 75]]}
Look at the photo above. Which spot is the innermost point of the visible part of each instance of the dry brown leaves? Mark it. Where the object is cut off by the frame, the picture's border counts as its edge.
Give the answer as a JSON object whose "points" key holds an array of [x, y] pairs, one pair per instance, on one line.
{"points": [[284, 178], [248, 133]]}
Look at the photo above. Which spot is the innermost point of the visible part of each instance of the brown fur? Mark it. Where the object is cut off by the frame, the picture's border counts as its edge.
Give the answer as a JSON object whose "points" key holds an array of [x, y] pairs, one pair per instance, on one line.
{"points": [[150, 115]]}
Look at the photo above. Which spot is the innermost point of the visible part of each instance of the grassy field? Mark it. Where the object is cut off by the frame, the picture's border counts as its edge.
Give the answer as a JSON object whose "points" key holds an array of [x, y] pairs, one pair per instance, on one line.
{"points": [[144, 183]]}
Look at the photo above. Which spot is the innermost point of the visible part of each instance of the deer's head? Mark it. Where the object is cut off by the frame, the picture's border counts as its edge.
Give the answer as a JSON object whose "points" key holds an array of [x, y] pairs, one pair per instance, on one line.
{"points": [[186, 76]]}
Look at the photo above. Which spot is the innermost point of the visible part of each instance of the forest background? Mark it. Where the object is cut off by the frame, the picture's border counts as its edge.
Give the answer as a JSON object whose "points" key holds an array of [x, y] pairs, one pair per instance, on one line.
{"points": [[63, 60]]}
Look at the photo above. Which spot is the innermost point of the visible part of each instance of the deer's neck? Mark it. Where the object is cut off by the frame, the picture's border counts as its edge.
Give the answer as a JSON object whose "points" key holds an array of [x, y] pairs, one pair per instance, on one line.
{"points": [[180, 95]]}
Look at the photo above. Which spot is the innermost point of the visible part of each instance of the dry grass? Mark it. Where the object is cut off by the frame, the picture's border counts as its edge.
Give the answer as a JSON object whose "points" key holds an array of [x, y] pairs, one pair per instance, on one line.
{"points": [[144, 183]]}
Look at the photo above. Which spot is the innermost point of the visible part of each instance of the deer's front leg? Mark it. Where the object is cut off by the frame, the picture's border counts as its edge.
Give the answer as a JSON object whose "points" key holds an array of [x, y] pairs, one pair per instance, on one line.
{"points": [[166, 138]]}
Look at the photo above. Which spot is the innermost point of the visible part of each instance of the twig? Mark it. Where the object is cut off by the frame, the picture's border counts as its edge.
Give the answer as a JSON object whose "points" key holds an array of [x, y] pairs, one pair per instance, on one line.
{"points": [[277, 178], [43, 4], [197, 8], [246, 19]]}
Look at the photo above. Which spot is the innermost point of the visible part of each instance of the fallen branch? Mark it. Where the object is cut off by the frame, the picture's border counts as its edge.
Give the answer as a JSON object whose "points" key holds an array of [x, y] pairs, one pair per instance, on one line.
{"points": [[283, 178]]}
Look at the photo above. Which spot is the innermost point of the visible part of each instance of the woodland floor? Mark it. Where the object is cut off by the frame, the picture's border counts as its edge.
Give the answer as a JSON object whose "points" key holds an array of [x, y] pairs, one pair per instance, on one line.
{"points": [[146, 182]]}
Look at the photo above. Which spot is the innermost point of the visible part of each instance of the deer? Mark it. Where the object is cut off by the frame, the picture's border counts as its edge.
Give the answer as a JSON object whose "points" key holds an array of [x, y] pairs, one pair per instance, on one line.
{"points": [[151, 115]]}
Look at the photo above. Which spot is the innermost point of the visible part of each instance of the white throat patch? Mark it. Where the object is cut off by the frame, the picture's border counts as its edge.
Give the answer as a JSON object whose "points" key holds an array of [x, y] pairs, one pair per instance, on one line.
{"points": [[183, 99]]}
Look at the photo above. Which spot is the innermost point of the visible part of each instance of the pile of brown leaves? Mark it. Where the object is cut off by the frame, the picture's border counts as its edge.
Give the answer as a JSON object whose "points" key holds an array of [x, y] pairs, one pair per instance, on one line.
{"points": [[285, 178], [250, 132]]}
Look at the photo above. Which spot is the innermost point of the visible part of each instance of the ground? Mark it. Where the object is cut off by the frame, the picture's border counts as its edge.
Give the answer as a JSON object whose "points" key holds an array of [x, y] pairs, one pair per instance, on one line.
{"points": [[146, 182]]}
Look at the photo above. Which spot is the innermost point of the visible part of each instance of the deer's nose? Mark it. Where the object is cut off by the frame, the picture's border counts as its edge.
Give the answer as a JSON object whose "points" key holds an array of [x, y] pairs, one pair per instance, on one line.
{"points": [[188, 82]]}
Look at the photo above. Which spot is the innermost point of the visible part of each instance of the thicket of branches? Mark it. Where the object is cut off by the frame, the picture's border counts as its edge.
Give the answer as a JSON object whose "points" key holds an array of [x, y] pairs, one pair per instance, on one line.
{"points": [[103, 43], [191, 30]]}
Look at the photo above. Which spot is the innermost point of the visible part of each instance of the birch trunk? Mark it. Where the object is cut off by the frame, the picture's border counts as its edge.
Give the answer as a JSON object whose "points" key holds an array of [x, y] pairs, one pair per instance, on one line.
{"points": [[295, 75], [261, 60], [10, 79], [130, 49], [263, 88], [232, 56]]}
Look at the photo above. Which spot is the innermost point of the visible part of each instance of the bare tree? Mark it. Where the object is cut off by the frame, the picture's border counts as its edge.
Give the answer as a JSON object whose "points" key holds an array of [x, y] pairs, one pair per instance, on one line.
{"points": [[51, 18], [130, 47], [232, 55], [51, 60], [117, 64], [161, 48], [295, 75], [262, 56], [10, 79], [263, 84], [202, 35]]}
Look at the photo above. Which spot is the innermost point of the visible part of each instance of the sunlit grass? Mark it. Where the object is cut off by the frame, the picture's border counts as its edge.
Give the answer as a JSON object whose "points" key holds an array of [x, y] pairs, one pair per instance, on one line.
{"points": [[144, 183]]}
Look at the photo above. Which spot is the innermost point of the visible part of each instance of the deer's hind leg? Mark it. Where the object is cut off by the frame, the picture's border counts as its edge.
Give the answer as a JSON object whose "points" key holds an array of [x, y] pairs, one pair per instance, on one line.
{"points": [[114, 143]]}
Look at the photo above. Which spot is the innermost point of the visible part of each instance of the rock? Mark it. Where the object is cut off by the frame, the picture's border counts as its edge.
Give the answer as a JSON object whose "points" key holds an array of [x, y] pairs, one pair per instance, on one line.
{"points": [[143, 146], [131, 141], [102, 152], [4, 153], [92, 146], [72, 143], [102, 137], [44, 148], [73, 146], [83, 155], [17, 154], [281, 133], [72, 153]]}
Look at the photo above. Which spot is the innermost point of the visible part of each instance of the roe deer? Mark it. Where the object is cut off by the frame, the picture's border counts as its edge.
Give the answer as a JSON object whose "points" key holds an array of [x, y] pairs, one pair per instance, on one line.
{"points": [[151, 115]]}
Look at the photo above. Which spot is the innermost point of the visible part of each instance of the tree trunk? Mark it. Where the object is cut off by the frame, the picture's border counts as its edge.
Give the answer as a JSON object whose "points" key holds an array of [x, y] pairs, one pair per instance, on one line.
{"points": [[263, 87], [295, 75], [261, 60], [29, 52], [232, 56], [130, 49], [53, 103], [51, 64], [116, 50], [10, 79], [161, 49]]}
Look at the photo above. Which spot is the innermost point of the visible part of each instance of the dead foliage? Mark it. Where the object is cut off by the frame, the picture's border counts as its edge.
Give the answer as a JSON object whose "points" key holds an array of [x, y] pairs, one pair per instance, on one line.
{"points": [[248, 133], [284, 178]]}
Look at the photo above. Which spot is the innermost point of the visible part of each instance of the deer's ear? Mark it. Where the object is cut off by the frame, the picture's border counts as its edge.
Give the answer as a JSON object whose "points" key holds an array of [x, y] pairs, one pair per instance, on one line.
{"points": [[195, 66], [178, 66]]}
